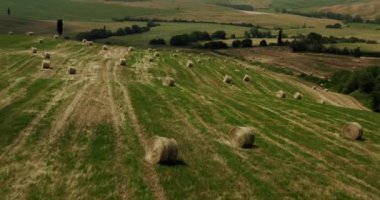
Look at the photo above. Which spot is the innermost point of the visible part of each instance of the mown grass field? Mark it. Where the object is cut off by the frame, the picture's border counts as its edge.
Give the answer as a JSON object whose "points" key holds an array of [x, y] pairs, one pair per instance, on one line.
{"points": [[83, 136]]}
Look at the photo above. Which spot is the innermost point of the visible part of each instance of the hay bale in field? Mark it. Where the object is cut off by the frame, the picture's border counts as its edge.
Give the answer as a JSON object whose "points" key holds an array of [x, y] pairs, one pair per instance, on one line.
{"points": [[10, 33], [56, 37], [47, 55], [72, 70], [131, 49], [34, 50], [40, 41], [314, 87], [326, 90], [150, 59], [352, 131], [281, 94], [123, 61], [45, 64], [156, 54], [150, 50], [242, 137], [29, 33], [168, 81], [175, 55], [297, 96], [90, 43], [189, 64], [321, 101], [246, 68], [105, 48], [199, 61], [227, 79], [84, 41], [162, 150], [247, 78]]}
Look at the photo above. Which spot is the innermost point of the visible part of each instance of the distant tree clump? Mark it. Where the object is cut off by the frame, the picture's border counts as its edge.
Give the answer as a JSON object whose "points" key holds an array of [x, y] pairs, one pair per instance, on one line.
{"points": [[158, 41], [215, 45], [279, 38], [337, 26], [219, 35], [263, 43], [102, 33], [255, 32], [9, 11], [60, 26], [246, 43], [180, 40], [236, 43]]}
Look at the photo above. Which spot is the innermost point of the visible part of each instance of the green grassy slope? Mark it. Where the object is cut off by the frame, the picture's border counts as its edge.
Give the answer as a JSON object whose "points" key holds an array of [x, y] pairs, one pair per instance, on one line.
{"points": [[83, 136]]}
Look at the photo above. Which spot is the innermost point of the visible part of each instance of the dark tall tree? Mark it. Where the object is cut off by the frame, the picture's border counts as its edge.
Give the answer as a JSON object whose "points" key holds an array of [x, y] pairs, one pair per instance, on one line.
{"points": [[279, 38], [59, 27], [9, 11]]}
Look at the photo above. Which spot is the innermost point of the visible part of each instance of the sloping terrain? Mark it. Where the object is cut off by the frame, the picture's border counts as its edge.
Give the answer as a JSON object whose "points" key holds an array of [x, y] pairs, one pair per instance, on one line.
{"points": [[84, 136]]}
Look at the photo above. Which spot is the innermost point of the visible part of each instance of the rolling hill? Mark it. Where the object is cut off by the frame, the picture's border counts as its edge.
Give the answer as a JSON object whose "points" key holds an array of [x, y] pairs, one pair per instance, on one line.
{"points": [[84, 136]]}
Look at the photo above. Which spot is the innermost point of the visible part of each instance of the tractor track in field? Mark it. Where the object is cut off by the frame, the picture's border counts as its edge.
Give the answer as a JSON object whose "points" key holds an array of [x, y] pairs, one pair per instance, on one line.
{"points": [[150, 175]]}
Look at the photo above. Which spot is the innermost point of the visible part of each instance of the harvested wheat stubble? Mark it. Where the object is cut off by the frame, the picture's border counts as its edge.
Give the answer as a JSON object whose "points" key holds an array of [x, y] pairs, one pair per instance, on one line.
{"points": [[189, 64], [47, 55], [29, 33], [168, 81], [123, 61], [281, 94], [297, 96], [162, 151], [352, 131], [242, 137], [247, 78], [56, 37], [46, 64], [34, 50], [105, 48], [72, 70], [227, 79]]}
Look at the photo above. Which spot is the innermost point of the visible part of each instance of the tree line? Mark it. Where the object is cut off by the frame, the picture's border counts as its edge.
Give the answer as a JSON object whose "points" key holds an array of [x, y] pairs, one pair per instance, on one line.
{"points": [[102, 33], [365, 81]]}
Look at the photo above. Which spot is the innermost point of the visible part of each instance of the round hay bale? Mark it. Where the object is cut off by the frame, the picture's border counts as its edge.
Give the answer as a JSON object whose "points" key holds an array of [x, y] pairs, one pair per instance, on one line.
{"points": [[47, 55], [72, 70], [189, 64], [29, 33], [162, 150], [34, 50], [90, 43], [156, 54], [40, 41], [352, 131], [168, 81], [314, 87], [175, 55], [242, 137], [199, 61], [321, 101], [297, 96], [10, 33], [227, 79], [246, 68], [45, 64], [123, 61], [131, 48], [84, 41], [247, 78], [105, 48], [281, 94], [150, 59], [326, 90], [56, 37], [150, 50]]}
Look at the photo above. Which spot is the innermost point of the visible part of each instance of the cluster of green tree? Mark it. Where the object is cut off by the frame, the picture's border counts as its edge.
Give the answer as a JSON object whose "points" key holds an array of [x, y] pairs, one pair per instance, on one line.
{"points": [[142, 19], [246, 7], [242, 43], [334, 40], [196, 36], [255, 32], [337, 25], [104, 33], [330, 15], [314, 42], [215, 45], [365, 81], [158, 41]]}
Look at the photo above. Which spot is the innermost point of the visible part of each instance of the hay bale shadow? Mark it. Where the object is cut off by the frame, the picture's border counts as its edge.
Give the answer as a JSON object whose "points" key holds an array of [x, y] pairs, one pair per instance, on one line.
{"points": [[178, 162]]}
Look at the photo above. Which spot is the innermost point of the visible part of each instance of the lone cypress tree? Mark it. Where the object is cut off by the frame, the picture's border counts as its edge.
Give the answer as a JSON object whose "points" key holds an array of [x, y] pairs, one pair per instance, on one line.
{"points": [[60, 27], [279, 38], [9, 11]]}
